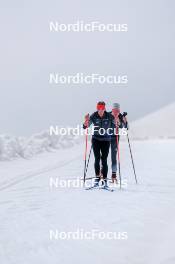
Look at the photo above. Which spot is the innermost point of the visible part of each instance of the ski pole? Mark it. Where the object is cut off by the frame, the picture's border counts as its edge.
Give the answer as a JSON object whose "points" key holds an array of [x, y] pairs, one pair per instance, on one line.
{"points": [[124, 115], [85, 155], [89, 158], [132, 158], [118, 155]]}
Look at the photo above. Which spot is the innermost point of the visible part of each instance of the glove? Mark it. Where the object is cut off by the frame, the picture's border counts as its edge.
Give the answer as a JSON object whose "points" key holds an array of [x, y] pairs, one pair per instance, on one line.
{"points": [[86, 123]]}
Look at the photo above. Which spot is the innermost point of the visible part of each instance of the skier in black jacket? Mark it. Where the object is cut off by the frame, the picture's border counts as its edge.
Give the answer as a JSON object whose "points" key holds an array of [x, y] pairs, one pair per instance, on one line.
{"points": [[103, 123]]}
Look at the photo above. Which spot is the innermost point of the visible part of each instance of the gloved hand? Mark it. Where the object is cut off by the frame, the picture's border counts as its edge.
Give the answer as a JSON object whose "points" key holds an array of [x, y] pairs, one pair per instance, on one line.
{"points": [[86, 123]]}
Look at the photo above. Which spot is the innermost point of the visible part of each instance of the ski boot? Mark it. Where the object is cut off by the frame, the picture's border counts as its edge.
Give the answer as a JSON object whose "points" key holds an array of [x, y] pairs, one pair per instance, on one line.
{"points": [[96, 181], [105, 184], [114, 178]]}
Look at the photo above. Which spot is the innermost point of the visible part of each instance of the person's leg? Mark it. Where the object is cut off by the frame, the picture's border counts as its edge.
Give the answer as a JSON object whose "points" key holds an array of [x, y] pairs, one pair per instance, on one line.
{"points": [[113, 155], [96, 150], [104, 151]]}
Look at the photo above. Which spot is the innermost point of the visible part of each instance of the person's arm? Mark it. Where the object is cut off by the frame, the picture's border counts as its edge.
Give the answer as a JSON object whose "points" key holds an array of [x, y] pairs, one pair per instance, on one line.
{"points": [[121, 122], [88, 121], [125, 121]]}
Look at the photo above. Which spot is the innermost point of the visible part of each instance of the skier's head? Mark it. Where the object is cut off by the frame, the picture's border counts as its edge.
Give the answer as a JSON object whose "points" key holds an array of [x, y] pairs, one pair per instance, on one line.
{"points": [[101, 107], [116, 108]]}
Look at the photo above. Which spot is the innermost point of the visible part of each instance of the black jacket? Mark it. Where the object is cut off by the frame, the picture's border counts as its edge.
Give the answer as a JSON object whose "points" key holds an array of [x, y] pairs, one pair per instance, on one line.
{"points": [[101, 125]]}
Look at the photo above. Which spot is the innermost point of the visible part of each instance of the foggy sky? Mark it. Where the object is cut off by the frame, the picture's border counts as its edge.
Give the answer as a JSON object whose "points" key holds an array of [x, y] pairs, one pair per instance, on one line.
{"points": [[29, 53]]}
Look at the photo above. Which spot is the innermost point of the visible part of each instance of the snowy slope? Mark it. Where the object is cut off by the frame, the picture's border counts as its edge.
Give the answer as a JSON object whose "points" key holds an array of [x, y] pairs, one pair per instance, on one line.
{"points": [[159, 124], [30, 208], [21, 147]]}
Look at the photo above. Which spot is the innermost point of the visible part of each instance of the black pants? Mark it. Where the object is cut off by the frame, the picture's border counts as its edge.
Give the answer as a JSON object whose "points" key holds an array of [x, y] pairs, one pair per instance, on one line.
{"points": [[101, 151]]}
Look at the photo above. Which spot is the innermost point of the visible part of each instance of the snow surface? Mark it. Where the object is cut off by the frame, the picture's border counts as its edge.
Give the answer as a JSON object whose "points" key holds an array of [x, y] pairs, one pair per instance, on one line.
{"points": [[159, 124], [30, 208]]}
